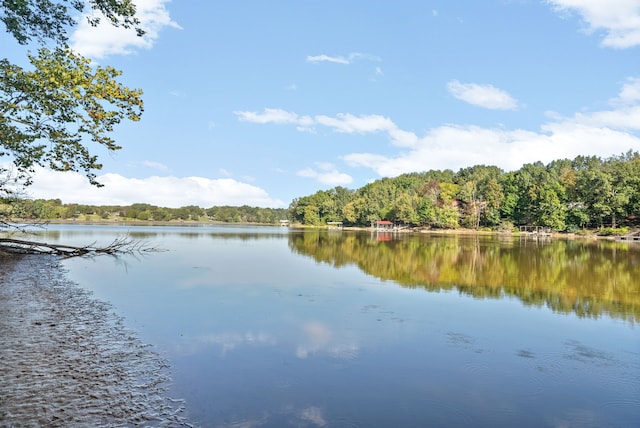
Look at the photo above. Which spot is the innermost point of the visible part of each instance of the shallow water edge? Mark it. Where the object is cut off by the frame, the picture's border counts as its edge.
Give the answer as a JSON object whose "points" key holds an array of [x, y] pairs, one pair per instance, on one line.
{"points": [[66, 358]]}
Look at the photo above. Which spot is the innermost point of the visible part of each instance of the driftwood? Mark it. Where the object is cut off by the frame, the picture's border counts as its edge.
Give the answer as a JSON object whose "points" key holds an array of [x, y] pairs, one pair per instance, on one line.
{"points": [[120, 246]]}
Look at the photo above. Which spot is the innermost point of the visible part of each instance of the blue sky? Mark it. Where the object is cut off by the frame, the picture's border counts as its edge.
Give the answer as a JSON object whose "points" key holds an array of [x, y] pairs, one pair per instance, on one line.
{"points": [[260, 102]]}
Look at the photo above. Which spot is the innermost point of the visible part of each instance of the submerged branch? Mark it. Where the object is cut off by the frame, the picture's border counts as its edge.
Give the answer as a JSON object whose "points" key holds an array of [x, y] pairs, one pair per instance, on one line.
{"points": [[23, 228], [120, 246]]}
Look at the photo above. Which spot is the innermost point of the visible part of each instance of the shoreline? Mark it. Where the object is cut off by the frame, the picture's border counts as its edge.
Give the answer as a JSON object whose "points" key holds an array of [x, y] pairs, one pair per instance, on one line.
{"points": [[588, 234], [66, 358]]}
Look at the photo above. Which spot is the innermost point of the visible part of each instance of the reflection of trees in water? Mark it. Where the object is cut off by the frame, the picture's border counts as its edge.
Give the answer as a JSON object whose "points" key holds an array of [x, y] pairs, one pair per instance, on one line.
{"points": [[588, 278]]}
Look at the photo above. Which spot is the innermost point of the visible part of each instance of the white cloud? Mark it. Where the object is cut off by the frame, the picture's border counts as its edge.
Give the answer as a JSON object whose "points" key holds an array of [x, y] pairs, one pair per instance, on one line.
{"points": [[619, 19], [348, 123], [327, 58], [156, 165], [603, 133], [354, 56], [270, 115], [345, 123], [454, 147], [630, 92], [487, 96], [167, 191], [624, 118], [105, 39], [599, 133], [326, 174]]}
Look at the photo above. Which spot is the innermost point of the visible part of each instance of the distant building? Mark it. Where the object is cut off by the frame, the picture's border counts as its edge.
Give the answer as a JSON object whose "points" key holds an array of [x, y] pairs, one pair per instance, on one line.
{"points": [[384, 225]]}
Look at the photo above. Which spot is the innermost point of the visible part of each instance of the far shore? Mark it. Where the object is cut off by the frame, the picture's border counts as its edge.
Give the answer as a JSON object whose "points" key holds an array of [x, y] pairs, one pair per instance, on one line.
{"points": [[584, 234]]}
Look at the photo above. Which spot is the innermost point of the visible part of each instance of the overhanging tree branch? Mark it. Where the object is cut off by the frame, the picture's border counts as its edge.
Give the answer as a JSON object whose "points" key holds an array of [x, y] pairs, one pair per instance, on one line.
{"points": [[44, 20], [49, 113]]}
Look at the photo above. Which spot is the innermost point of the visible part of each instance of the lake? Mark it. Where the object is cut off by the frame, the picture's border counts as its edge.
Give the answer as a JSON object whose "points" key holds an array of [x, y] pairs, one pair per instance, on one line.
{"points": [[278, 327]]}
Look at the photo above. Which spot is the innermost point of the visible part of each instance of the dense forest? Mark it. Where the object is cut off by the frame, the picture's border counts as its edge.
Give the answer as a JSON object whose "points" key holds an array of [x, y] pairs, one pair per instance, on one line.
{"points": [[565, 195], [54, 209]]}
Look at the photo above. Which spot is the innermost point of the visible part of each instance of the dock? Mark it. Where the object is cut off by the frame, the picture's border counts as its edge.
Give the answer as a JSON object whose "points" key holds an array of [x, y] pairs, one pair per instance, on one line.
{"points": [[635, 236], [536, 230]]}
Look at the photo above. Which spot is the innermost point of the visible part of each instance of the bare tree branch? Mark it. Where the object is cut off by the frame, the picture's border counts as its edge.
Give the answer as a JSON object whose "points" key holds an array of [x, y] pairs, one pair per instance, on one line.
{"points": [[120, 246]]}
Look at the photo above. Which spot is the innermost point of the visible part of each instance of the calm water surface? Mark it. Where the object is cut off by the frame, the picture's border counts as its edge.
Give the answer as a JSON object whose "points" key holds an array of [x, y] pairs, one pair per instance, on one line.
{"points": [[272, 327]]}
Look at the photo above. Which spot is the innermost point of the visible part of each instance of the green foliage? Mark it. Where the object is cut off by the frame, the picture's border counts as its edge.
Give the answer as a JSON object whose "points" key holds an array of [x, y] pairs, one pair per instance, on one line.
{"points": [[246, 214], [323, 206], [44, 20], [53, 209], [564, 195], [47, 114], [613, 231], [54, 113]]}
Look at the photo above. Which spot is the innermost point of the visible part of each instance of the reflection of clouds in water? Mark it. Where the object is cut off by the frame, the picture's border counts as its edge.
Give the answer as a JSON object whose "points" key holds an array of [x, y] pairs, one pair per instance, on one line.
{"points": [[226, 341], [314, 415], [318, 338], [230, 341], [584, 418], [317, 332], [248, 423], [307, 417]]}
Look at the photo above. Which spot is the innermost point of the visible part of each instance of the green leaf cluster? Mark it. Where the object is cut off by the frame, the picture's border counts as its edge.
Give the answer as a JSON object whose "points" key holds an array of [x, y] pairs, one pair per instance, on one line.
{"points": [[56, 111], [48, 113]]}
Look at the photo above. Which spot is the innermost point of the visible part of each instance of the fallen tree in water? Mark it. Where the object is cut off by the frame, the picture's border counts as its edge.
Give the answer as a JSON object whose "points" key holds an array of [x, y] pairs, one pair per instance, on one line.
{"points": [[120, 246], [11, 241]]}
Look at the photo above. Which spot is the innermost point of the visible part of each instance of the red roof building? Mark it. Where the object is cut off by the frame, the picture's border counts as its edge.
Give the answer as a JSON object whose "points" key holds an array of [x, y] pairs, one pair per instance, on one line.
{"points": [[384, 224]]}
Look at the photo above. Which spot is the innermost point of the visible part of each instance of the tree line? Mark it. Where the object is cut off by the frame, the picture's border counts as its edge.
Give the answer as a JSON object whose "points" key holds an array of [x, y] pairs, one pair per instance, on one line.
{"points": [[565, 195], [54, 209]]}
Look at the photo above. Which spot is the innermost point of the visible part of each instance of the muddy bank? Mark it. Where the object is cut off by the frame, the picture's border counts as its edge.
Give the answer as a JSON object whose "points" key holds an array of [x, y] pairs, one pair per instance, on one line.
{"points": [[66, 359]]}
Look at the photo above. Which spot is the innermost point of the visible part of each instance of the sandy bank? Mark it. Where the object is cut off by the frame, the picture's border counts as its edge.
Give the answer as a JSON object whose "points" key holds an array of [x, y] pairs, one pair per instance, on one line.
{"points": [[66, 359]]}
